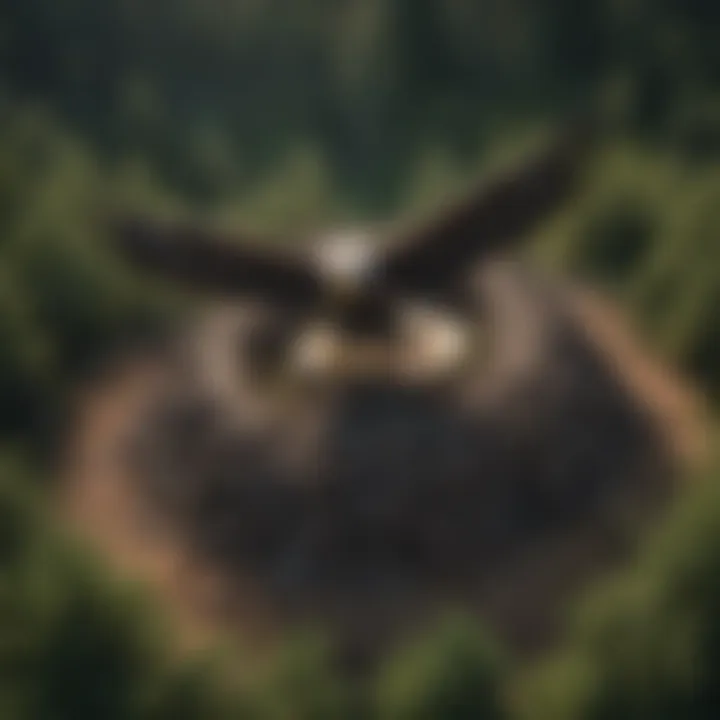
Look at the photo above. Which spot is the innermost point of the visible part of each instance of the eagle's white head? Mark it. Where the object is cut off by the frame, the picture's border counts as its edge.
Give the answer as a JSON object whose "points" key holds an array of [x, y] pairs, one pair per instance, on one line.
{"points": [[346, 258]]}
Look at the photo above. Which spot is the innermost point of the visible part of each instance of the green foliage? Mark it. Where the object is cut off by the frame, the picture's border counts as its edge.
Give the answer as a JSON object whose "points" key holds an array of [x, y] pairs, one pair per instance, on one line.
{"points": [[25, 362], [75, 644], [452, 673], [646, 230], [68, 649], [646, 646], [215, 95], [64, 302], [196, 690], [302, 684]]}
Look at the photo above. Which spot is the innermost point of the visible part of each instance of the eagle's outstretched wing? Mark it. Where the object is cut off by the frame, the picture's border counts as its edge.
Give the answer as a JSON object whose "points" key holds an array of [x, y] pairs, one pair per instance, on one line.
{"points": [[429, 257], [207, 260], [435, 253]]}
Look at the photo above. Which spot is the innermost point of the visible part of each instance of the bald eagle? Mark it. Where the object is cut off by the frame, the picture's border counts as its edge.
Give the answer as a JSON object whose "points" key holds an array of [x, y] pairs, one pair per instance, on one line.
{"points": [[372, 422]]}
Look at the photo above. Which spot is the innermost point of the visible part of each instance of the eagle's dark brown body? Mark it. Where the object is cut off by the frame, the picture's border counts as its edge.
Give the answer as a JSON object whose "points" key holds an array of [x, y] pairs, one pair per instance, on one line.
{"points": [[369, 493]]}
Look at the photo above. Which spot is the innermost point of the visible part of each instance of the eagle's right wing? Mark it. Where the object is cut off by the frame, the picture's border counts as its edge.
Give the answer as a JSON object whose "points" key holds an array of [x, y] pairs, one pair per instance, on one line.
{"points": [[207, 260]]}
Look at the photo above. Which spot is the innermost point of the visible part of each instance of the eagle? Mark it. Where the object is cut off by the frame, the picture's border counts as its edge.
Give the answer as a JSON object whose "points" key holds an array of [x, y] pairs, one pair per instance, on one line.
{"points": [[370, 423]]}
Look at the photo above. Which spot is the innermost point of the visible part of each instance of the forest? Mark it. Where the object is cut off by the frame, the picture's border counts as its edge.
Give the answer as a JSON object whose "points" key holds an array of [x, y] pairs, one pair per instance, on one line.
{"points": [[288, 115]]}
